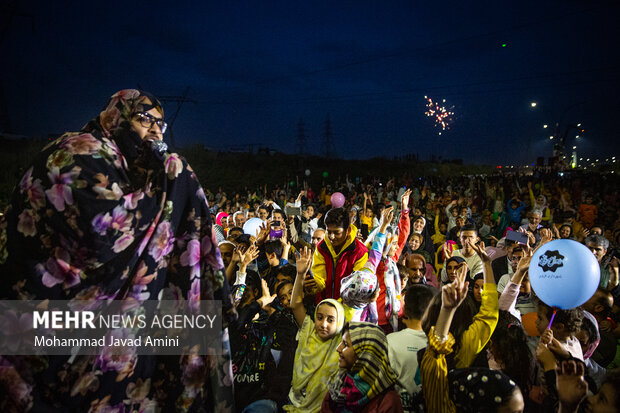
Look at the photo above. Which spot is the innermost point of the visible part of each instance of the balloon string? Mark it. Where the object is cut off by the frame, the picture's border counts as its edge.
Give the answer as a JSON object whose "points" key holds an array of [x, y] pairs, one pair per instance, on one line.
{"points": [[552, 317]]}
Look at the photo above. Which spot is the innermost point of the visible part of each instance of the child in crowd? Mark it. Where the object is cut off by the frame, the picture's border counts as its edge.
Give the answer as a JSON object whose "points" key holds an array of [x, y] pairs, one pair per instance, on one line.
{"points": [[589, 339], [405, 344], [365, 380], [559, 337], [316, 359], [360, 289], [470, 333]]}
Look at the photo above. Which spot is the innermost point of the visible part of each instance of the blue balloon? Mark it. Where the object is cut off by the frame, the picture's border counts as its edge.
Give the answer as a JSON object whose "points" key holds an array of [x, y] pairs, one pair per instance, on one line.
{"points": [[564, 274]]}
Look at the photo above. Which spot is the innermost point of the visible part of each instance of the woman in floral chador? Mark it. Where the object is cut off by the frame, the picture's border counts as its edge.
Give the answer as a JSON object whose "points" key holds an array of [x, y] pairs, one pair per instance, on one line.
{"points": [[108, 214]]}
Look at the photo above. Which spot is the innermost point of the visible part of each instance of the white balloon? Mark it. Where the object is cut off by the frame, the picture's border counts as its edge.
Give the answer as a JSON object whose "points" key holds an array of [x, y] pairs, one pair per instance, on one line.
{"points": [[252, 226], [307, 172]]}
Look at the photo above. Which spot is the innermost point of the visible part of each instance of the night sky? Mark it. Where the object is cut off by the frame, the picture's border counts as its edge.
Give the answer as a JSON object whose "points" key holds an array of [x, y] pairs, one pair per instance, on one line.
{"points": [[255, 68]]}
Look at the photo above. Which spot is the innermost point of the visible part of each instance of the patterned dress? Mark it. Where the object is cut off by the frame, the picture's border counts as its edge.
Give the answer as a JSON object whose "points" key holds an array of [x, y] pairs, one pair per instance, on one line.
{"points": [[100, 215]]}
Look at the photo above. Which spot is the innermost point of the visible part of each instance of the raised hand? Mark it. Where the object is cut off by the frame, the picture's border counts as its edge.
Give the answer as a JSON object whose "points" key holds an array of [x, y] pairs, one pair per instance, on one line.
{"points": [[386, 218], [304, 261], [404, 199], [453, 294], [480, 250], [571, 386], [267, 298], [545, 235], [249, 255], [284, 238], [263, 232], [447, 251], [237, 254]]}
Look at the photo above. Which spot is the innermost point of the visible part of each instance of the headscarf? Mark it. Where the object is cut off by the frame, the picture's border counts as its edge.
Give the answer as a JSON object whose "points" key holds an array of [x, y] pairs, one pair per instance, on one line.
{"points": [[472, 283], [315, 362], [593, 342], [114, 121], [423, 220], [479, 389], [459, 260], [100, 214], [538, 205], [427, 241], [371, 373]]}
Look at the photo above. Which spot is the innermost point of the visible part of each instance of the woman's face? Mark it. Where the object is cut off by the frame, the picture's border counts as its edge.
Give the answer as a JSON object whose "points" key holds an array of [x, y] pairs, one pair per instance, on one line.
{"points": [[152, 132], [414, 243], [326, 321], [418, 225], [451, 270], [565, 232], [478, 290], [347, 356]]}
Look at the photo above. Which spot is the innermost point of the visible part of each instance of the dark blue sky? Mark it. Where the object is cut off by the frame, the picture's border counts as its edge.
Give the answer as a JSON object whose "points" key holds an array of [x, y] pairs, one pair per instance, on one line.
{"points": [[255, 68]]}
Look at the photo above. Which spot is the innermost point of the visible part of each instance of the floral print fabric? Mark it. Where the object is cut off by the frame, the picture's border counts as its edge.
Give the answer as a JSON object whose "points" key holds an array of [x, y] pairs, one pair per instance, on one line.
{"points": [[100, 216]]}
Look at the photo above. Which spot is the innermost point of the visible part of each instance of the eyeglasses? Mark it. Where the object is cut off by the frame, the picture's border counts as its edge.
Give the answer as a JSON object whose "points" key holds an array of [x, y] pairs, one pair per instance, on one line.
{"points": [[416, 269], [147, 120]]}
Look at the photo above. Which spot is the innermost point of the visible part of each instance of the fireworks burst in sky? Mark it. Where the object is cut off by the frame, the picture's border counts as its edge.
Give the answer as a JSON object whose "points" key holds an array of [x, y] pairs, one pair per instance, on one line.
{"points": [[441, 114]]}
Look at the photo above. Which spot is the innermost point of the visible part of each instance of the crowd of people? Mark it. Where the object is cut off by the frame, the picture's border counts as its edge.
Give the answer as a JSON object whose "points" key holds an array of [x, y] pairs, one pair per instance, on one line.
{"points": [[413, 295], [446, 283]]}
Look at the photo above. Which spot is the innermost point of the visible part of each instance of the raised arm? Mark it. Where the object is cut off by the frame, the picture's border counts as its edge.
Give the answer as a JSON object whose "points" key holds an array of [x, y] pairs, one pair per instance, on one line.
{"points": [[404, 225], [452, 295], [304, 261], [434, 367], [376, 252]]}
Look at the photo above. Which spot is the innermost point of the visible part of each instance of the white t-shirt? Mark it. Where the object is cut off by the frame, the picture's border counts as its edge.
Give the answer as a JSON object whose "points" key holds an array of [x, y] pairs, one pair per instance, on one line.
{"points": [[403, 349], [474, 263]]}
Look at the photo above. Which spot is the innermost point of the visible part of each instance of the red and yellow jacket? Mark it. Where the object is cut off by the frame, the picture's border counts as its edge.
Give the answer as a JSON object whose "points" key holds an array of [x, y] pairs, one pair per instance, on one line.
{"points": [[328, 268]]}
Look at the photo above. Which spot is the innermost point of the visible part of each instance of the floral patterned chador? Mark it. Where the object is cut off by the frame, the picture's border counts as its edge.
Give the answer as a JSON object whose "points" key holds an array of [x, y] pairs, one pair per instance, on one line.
{"points": [[100, 215]]}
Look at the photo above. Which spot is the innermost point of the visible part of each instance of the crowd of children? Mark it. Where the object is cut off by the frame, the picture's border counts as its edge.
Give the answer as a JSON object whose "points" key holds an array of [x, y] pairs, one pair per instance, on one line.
{"points": [[417, 298]]}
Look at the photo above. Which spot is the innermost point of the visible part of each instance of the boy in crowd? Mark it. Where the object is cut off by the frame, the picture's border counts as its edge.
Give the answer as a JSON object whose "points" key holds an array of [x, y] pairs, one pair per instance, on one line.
{"points": [[404, 345], [337, 256], [468, 236]]}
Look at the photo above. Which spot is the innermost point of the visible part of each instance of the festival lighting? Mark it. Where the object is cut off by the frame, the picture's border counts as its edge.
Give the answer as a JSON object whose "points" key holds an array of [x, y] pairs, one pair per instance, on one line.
{"points": [[533, 104]]}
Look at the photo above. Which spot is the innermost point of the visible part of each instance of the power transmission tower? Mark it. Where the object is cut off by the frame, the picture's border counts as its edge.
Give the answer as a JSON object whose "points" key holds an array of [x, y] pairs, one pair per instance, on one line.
{"points": [[328, 149], [301, 138], [179, 100]]}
